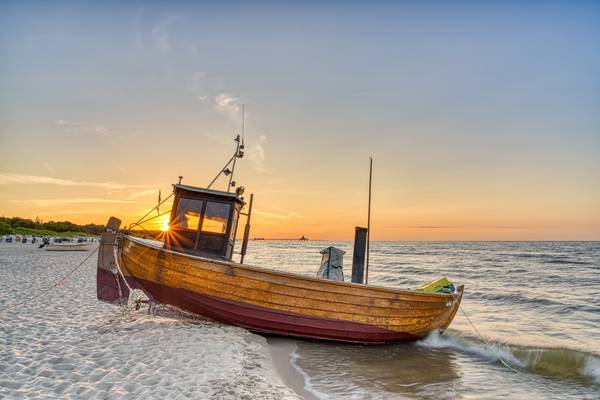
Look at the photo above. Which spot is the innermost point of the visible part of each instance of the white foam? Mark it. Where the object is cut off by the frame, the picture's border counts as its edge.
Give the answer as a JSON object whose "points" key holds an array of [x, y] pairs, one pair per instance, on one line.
{"points": [[489, 351], [592, 368], [308, 385]]}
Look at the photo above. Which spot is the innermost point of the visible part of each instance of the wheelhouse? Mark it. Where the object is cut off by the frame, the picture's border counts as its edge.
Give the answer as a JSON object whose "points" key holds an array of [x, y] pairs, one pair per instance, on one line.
{"points": [[203, 221]]}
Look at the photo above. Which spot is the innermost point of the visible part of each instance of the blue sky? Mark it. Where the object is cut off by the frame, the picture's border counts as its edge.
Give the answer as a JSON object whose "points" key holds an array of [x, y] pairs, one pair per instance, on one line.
{"points": [[489, 108]]}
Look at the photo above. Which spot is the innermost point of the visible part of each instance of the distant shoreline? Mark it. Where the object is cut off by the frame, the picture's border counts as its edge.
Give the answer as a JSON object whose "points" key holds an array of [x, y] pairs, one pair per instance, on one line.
{"points": [[27, 227]]}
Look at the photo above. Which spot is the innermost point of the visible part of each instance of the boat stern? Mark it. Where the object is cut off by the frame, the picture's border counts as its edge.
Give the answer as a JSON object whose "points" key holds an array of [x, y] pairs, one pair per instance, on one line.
{"points": [[110, 285], [456, 299]]}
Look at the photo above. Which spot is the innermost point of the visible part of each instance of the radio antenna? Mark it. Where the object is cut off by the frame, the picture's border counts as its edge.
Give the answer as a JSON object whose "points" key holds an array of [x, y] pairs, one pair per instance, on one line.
{"points": [[243, 121]]}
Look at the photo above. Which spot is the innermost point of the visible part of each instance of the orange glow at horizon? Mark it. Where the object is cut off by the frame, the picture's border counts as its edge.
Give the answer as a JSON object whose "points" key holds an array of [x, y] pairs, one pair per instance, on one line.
{"points": [[421, 205]]}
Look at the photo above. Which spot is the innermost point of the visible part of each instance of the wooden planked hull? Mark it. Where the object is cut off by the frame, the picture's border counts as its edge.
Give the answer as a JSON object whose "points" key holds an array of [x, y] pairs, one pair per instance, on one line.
{"points": [[275, 302]]}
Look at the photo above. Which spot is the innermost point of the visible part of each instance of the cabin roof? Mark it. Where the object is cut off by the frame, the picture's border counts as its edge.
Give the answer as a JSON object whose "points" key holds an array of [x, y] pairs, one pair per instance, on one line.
{"points": [[333, 249], [196, 189]]}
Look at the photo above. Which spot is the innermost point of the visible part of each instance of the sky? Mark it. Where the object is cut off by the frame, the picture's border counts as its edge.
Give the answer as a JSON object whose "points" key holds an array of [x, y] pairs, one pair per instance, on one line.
{"points": [[483, 118]]}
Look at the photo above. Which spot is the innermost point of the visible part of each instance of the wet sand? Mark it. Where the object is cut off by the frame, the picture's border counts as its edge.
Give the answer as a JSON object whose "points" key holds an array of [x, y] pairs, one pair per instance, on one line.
{"points": [[281, 351]]}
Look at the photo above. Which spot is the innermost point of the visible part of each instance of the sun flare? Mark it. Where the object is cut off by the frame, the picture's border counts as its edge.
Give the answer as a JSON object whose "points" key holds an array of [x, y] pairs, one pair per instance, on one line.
{"points": [[164, 223]]}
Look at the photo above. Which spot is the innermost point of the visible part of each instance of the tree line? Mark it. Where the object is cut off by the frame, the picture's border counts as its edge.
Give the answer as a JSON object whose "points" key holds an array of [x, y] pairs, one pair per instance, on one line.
{"points": [[13, 225]]}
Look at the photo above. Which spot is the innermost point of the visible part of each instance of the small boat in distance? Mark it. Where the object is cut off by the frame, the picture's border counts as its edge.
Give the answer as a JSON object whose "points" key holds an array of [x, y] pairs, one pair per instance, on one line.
{"points": [[68, 246], [193, 269]]}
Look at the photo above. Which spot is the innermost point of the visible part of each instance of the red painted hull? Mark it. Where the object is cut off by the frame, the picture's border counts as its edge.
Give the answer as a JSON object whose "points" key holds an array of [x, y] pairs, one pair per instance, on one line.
{"points": [[265, 320], [111, 288]]}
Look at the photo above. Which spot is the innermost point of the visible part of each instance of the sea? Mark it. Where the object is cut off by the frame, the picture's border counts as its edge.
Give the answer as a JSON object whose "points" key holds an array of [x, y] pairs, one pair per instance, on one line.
{"points": [[529, 328]]}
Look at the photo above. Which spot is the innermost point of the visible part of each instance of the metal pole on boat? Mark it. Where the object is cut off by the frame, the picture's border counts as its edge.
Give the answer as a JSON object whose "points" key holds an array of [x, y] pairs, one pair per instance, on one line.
{"points": [[246, 230], [369, 221], [238, 154], [158, 205]]}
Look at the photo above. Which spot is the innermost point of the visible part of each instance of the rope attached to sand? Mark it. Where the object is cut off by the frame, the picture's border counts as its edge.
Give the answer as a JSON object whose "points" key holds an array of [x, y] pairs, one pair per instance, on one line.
{"points": [[484, 340], [59, 282]]}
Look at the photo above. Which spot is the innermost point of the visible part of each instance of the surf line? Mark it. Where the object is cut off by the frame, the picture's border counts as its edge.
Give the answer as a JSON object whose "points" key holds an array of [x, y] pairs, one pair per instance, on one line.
{"points": [[484, 340], [57, 283]]}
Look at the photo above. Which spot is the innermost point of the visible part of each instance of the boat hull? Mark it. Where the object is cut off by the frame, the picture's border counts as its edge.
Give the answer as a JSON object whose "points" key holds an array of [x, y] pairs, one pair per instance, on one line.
{"points": [[273, 302], [68, 247]]}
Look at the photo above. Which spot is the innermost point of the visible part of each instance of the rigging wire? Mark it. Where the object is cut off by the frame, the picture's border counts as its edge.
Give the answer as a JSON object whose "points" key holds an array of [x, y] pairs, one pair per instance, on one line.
{"points": [[221, 171], [149, 219], [152, 209]]}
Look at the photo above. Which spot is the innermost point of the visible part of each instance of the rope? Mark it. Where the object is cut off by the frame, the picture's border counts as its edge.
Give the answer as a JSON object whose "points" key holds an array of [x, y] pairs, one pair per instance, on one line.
{"points": [[484, 340], [116, 256], [151, 218], [61, 280]]}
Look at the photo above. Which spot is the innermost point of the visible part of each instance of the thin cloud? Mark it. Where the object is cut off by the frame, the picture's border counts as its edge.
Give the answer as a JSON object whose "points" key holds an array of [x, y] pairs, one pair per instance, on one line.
{"points": [[228, 104], [218, 139], [279, 213], [290, 213], [83, 128], [7, 178], [268, 214], [256, 155], [62, 202], [143, 193], [199, 85], [160, 35], [48, 166]]}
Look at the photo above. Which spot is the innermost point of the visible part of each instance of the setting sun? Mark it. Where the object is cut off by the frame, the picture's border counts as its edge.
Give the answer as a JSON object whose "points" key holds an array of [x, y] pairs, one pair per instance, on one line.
{"points": [[164, 227]]}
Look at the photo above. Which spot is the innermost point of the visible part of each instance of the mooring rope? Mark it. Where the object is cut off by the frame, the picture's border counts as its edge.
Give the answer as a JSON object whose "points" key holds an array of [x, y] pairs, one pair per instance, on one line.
{"points": [[484, 340], [60, 281], [126, 305]]}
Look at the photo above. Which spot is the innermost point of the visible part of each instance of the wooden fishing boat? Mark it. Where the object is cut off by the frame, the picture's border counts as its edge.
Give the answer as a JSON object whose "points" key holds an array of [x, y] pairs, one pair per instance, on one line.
{"points": [[193, 270]]}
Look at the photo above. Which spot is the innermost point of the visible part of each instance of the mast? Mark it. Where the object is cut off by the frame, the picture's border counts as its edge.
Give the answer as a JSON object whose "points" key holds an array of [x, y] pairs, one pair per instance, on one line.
{"points": [[369, 221], [240, 146]]}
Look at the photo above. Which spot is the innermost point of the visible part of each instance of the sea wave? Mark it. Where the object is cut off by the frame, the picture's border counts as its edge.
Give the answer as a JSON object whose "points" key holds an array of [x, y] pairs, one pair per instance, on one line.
{"points": [[559, 306], [308, 384], [556, 363]]}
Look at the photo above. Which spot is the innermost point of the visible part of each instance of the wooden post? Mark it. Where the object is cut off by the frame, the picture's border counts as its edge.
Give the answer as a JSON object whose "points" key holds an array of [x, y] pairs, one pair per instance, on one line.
{"points": [[358, 256], [246, 231], [110, 286]]}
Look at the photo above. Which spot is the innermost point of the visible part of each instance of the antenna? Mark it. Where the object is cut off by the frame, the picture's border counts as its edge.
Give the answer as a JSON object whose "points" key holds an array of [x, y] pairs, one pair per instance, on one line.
{"points": [[369, 221], [243, 121]]}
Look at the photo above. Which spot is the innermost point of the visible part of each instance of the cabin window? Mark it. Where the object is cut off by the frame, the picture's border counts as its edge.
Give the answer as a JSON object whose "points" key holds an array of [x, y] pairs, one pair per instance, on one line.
{"points": [[187, 215], [216, 217]]}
